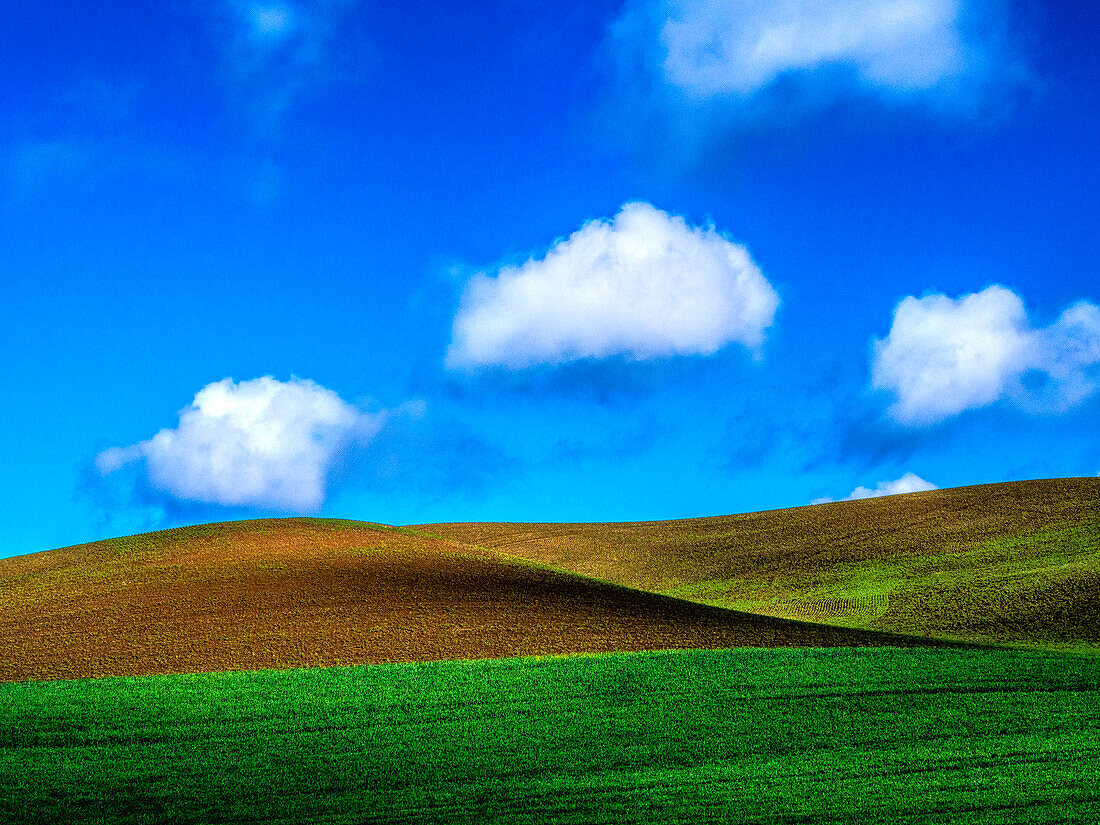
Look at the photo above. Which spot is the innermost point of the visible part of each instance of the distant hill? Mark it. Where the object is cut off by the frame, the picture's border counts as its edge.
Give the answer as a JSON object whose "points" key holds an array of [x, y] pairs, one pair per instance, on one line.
{"points": [[1011, 563], [1008, 563], [315, 592]]}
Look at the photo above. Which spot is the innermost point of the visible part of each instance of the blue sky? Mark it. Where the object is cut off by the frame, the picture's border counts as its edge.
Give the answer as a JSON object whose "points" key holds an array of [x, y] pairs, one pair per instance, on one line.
{"points": [[510, 261]]}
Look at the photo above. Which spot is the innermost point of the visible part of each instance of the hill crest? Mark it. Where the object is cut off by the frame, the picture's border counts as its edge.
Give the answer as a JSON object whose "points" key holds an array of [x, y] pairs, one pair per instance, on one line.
{"points": [[1017, 562], [309, 593]]}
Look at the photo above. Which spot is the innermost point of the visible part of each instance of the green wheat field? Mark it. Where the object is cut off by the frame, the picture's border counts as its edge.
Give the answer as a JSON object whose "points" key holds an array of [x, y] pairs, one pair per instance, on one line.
{"points": [[754, 736], [984, 706]]}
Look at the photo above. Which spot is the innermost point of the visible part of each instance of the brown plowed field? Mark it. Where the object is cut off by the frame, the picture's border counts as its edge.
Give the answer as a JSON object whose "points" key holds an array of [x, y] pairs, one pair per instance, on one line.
{"points": [[313, 592]]}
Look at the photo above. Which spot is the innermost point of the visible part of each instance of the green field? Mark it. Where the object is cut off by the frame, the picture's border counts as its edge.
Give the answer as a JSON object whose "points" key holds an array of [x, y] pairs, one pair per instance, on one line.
{"points": [[751, 735], [785, 731]]}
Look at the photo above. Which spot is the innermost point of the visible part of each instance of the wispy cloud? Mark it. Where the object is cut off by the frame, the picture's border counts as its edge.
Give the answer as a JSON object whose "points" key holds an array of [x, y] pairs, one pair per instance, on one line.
{"points": [[946, 355], [82, 135], [642, 285], [740, 60], [296, 31], [278, 49], [428, 456], [740, 48], [260, 443], [908, 483]]}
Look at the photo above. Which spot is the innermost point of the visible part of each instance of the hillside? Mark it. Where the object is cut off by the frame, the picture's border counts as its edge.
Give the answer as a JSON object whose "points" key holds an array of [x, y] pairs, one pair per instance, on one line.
{"points": [[313, 592], [1013, 563], [1008, 563]]}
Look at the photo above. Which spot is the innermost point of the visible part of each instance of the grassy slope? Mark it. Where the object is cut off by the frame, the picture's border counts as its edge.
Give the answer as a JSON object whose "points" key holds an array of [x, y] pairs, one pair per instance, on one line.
{"points": [[1014, 563], [312, 592], [746, 736]]}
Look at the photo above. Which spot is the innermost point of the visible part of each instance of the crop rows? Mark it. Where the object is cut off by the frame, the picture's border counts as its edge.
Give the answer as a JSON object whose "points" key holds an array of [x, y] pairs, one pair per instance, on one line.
{"points": [[748, 736]]}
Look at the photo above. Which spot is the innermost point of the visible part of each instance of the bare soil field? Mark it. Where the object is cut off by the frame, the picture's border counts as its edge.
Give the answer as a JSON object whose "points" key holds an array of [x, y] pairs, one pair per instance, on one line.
{"points": [[288, 593]]}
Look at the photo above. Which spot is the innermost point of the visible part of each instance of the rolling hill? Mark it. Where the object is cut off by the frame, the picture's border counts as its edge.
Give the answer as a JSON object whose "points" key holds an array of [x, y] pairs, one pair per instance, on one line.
{"points": [[755, 734], [1015, 563], [312, 592]]}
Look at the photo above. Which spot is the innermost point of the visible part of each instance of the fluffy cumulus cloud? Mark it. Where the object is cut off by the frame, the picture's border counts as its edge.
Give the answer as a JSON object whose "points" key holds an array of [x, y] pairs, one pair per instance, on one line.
{"points": [[259, 443], [642, 285], [945, 355], [733, 50], [908, 483]]}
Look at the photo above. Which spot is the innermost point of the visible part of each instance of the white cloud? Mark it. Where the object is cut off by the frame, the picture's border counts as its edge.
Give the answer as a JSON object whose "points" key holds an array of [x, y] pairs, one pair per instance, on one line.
{"points": [[944, 355], [733, 50], [262, 443], [1069, 351], [740, 48], [908, 483], [644, 285]]}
